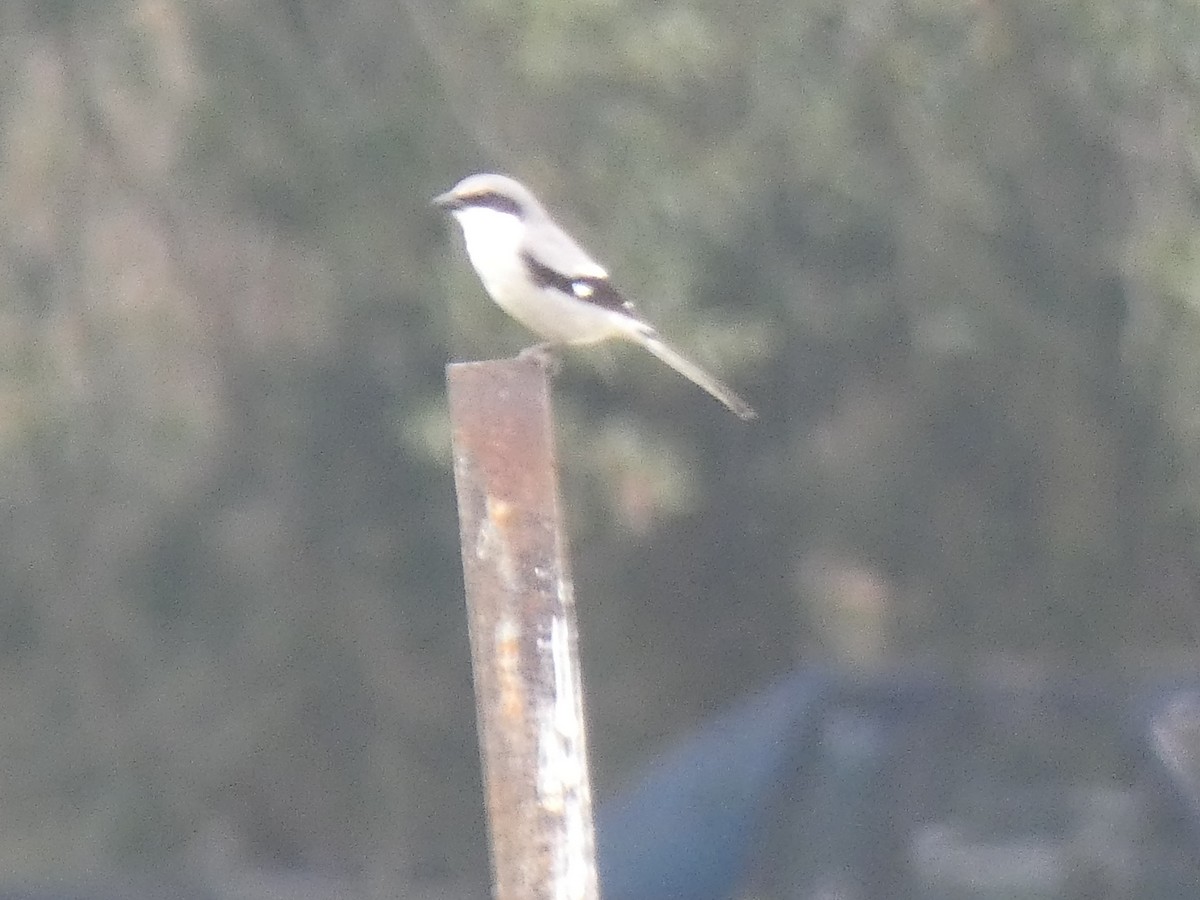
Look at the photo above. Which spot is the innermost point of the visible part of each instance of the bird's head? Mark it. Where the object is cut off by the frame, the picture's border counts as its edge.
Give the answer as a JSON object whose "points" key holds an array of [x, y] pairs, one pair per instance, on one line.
{"points": [[497, 193]]}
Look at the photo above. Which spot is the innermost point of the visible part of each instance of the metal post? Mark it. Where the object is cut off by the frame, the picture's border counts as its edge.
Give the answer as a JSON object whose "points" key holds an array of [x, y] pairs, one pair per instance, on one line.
{"points": [[523, 632]]}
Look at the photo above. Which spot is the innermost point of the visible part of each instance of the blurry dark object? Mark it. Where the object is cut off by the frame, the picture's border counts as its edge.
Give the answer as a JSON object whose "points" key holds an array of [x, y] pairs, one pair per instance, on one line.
{"points": [[829, 786], [1170, 727], [687, 829]]}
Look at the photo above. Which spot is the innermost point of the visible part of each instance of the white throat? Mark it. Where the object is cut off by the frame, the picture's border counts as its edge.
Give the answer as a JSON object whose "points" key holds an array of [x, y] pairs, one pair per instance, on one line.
{"points": [[493, 238]]}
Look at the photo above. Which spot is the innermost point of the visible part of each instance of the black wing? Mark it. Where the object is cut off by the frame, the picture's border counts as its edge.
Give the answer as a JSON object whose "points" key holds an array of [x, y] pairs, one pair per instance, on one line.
{"points": [[583, 287]]}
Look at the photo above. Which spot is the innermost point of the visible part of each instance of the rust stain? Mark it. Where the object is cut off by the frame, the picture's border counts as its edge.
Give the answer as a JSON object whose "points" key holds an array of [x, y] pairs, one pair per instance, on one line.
{"points": [[511, 689]]}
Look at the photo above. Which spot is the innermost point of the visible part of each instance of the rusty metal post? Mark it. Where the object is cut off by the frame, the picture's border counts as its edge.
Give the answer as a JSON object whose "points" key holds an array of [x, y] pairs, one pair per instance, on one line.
{"points": [[524, 648]]}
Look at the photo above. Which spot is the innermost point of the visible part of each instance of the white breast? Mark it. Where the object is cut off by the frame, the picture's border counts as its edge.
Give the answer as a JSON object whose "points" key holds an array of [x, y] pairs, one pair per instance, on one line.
{"points": [[493, 243]]}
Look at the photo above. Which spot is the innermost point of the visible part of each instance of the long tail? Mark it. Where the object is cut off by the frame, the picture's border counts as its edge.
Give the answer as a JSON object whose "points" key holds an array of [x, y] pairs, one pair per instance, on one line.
{"points": [[693, 373]]}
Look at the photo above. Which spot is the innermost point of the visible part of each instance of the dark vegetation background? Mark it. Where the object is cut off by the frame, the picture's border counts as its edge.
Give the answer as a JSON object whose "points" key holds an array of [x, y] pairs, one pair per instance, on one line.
{"points": [[948, 249]]}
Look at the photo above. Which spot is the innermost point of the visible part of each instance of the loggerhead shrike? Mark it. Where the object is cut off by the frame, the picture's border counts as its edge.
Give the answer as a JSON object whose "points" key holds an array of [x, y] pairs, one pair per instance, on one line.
{"points": [[538, 275]]}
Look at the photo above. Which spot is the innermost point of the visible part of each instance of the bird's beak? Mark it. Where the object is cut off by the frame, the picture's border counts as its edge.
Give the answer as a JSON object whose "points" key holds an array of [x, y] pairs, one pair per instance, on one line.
{"points": [[445, 201]]}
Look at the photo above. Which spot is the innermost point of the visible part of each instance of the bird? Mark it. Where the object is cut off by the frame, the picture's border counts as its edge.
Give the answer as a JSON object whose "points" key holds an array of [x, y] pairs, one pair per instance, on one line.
{"points": [[540, 276]]}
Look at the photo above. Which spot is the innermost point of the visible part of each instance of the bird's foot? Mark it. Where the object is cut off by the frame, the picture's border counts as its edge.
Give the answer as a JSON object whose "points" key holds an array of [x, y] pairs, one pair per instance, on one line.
{"points": [[544, 356]]}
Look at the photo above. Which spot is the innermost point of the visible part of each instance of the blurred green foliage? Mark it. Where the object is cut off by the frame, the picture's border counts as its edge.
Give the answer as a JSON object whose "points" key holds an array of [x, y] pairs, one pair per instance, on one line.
{"points": [[947, 249]]}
